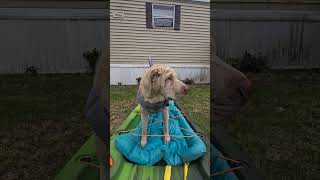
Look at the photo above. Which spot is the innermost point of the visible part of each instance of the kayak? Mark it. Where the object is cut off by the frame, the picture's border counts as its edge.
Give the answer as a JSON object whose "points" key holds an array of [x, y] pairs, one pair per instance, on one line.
{"points": [[226, 155], [83, 164], [77, 169], [231, 161], [125, 170]]}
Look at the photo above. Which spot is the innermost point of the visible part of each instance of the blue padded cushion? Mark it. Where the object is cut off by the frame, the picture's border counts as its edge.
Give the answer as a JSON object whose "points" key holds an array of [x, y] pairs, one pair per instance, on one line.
{"points": [[177, 152]]}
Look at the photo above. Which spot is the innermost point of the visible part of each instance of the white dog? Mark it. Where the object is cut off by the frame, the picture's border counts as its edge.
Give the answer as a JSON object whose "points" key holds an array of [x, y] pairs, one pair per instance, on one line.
{"points": [[158, 85]]}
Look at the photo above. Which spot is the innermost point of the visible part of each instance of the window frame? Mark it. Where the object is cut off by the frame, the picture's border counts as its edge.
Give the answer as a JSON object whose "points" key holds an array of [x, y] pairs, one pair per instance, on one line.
{"points": [[173, 17]]}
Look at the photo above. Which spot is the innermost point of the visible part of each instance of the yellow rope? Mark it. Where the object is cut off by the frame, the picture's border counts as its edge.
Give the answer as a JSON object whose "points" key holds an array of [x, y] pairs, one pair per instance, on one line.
{"points": [[227, 170], [88, 163], [128, 130], [172, 118], [167, 173], [229, 159], [185, 129], [185, 172], [230, 169], [176, 136]]}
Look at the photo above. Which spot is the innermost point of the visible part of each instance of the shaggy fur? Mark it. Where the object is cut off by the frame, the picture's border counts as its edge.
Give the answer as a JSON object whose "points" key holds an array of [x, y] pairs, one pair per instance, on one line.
{"points": [[159, 83]]}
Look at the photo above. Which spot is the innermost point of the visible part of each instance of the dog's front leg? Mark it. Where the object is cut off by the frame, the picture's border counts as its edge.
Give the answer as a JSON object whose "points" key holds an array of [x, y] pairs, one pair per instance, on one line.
{"points": [[144, 124], [165, 115]]}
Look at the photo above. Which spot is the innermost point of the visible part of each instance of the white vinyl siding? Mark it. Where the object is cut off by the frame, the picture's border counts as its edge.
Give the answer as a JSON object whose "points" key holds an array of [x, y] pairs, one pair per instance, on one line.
{"points": [[131, 42]]}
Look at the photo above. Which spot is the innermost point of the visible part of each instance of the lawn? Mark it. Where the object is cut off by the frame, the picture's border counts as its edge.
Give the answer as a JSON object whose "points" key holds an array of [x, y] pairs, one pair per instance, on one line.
{"points": [[42, 123], [42, 120], [281, 125], [196, 103]]}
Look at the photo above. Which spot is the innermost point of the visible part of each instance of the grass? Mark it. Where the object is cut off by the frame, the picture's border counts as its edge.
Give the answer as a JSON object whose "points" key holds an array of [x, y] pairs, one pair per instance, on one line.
{"points": [[196, 103], [41, 98], [42, 123], [122, 102], [280, 126]]}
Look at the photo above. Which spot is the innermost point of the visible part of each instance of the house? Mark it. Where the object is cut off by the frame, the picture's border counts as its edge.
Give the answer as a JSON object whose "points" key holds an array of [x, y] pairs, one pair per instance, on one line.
{"points": [[171, 32]]}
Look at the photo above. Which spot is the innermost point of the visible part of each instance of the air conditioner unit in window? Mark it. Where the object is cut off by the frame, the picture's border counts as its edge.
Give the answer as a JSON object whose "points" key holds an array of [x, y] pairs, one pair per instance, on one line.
{"points": [[118, 14]]}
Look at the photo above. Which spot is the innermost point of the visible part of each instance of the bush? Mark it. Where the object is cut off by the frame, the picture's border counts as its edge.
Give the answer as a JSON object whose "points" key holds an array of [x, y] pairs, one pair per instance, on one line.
{"points": [[249, 63], [188, 81], [31, 71], [138, 80], [92, 57]]}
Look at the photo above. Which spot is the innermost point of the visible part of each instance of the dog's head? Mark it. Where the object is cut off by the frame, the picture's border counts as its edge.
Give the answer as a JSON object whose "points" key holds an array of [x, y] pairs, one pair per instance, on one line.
{"points": [[162, 81]]}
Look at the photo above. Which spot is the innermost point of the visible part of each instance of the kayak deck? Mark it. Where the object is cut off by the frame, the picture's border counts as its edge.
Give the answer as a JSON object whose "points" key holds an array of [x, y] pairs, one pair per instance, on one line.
{"points": [[76, 170], [124, 170]]}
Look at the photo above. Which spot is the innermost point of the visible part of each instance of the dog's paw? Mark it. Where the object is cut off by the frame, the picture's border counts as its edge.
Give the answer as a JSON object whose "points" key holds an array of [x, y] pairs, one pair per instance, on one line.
{"points": [[167, 138], [143, 142]]}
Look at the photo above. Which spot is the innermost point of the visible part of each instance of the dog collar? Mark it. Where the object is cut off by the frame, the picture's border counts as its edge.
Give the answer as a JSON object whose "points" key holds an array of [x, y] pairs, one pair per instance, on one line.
{"points": [[152, 107], [167, 100]]}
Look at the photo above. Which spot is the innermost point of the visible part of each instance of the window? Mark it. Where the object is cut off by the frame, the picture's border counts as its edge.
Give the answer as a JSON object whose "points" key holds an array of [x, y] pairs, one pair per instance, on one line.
{"points": [[162, 16]]}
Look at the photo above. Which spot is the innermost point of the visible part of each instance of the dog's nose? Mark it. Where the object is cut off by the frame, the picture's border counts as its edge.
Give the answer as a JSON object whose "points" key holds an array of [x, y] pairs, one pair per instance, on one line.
{"points": [[185, 90]]}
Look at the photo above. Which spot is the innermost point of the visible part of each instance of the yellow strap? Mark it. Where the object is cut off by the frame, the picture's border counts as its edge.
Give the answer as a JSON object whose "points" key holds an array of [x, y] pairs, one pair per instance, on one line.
{"points": [[185, 172], [175, 136], [167, 173]]}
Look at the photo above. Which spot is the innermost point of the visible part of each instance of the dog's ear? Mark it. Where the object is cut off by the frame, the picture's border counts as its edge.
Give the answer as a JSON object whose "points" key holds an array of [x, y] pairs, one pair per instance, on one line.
{"points": [[145, 85]]}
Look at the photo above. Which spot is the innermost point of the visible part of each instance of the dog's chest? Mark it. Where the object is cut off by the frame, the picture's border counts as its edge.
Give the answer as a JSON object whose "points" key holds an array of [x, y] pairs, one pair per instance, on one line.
{"points": [[152, 107]]}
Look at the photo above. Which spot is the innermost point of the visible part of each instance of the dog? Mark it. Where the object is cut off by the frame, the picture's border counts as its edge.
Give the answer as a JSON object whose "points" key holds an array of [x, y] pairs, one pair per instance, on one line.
{"points": [[158, 85]]}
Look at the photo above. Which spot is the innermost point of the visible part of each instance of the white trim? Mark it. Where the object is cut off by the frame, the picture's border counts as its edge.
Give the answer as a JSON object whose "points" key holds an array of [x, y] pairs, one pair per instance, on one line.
{"points": [[126, 74], [202, 0], [170, 65]]}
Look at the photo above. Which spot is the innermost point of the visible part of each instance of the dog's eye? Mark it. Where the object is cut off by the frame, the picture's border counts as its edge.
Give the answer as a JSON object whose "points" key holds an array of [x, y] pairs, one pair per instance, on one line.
{"points": [[155, 75], [169, 78]]}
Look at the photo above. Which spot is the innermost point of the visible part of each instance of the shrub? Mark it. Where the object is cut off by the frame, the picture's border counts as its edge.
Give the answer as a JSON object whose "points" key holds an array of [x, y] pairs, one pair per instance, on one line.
{"points": [[31, 70], [138, 80], [188, 81], [92, 57], [249, 63]]}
